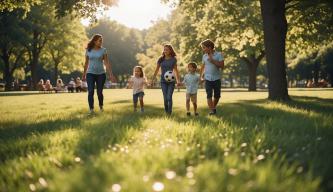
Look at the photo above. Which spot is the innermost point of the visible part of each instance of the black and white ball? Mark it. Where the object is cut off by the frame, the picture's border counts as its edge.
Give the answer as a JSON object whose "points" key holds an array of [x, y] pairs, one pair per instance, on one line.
{"points": [[169, 76]]}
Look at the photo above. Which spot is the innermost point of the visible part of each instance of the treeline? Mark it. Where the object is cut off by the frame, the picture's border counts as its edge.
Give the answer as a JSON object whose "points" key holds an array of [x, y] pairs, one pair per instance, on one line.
{"points": [[36, 44], [293, 45], [237, 29]]}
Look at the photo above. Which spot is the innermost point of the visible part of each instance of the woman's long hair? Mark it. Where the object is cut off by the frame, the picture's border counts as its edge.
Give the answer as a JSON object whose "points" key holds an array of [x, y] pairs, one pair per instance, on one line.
{"points": [[173, 53], [91, 43]]}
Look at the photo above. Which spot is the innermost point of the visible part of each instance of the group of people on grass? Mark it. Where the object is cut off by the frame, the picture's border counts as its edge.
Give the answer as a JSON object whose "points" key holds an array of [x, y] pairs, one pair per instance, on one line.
{"points": [[96, 58], [78, 85]]}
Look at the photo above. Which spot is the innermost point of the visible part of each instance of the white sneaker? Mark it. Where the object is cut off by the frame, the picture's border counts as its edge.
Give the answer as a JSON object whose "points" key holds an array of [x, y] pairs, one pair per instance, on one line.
{"points": [[91, 112]]}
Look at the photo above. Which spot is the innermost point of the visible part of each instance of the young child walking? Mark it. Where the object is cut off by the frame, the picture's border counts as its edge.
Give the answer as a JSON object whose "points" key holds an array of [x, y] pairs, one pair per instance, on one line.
{"points": [[191, 81], [137, 82]]}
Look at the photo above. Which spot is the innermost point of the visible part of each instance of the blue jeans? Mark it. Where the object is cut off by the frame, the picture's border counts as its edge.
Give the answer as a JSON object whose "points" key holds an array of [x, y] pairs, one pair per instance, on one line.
{"points": [[136, 96], [167, 89], [99, 80]]}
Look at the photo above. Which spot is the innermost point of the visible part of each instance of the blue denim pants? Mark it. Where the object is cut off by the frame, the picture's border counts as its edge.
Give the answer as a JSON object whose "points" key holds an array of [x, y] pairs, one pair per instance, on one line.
{"points": [[167, 89], [99, 80]]}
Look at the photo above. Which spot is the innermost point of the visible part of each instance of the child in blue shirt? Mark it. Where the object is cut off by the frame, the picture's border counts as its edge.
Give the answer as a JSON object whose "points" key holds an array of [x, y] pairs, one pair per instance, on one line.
{"points": [[191, 81]]}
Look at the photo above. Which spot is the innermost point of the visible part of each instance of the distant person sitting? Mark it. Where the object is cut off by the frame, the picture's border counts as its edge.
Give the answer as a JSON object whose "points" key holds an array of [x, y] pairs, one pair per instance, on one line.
{"points": [[71, 85], [48, 86], [322, 83], [84, 86], [309, 84], [78, 85], [40, 85], [59, 87], [16, 85]]}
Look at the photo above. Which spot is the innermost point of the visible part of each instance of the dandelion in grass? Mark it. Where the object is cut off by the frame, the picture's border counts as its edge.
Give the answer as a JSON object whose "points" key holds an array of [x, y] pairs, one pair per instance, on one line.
{"points": [[267, 151], [191, 182], [243, 144], [260, 157], [232, 171], [145, 178], [226, 153], [77, 159], [170, 175], [189, 174], [300, 169], [29, 174], [116, 188], [243, 154], [189, 169], [42, 182], [158, 186], [32, 187]]}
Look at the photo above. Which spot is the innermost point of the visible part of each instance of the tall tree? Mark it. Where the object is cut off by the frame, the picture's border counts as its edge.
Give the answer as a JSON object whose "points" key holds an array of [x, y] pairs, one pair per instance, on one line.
{"points": [[85, 8], [66, 46], [11, 40], [39, 26], [275, 30]]}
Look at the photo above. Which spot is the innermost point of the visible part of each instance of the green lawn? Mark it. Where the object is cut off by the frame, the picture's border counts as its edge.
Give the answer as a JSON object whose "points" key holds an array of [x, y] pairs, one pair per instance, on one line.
{"points": [[49, 143]]}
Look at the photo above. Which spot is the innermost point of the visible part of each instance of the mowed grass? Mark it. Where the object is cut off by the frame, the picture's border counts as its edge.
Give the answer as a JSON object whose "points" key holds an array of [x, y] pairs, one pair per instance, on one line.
{"points": [[49, 143]]}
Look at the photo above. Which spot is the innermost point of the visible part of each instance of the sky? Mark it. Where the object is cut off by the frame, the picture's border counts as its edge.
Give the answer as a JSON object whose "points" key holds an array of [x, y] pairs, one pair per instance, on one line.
{"points": [[138, 14]]}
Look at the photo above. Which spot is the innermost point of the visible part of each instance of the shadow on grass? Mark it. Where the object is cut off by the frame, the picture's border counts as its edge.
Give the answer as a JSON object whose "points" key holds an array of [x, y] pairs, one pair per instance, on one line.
{"points": [[316, 104], [305, 139], [282, 129], [17, 136], [111, 129]]}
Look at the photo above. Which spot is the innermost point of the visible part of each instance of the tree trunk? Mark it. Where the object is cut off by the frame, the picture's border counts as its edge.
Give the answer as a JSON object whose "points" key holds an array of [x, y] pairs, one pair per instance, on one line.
{"points": [[252, 65], [33, 67], [275, 29], [231, 79], [316, 69], [253, 77], [56, 72], [7, 74], [35, 51]]}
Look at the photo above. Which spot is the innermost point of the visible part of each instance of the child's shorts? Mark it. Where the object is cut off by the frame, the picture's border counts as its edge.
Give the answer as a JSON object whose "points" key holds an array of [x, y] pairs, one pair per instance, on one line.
{"points": [[137, 95], [193, 97]]}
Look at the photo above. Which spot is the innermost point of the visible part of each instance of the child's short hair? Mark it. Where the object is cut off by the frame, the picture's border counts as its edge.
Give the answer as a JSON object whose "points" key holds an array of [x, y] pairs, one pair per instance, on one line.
{"points": [[208, 43], [193, 64]]}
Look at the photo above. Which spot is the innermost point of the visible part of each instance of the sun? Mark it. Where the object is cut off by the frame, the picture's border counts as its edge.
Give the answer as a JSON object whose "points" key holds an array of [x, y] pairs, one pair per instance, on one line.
{"points": [[136, 14]]}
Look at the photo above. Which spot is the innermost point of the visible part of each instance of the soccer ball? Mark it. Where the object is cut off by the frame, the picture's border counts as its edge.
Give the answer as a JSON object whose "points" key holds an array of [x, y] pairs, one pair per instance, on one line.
{"points": [[169, 76]]}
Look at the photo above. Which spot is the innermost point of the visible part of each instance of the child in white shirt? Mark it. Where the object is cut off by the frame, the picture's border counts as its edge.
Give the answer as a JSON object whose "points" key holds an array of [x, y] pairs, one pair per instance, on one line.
{"points": [[137, 82]]}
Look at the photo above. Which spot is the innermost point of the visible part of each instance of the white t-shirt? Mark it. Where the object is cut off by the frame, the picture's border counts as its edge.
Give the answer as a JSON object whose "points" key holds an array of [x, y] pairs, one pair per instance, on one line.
{"points": [[138, 84]]}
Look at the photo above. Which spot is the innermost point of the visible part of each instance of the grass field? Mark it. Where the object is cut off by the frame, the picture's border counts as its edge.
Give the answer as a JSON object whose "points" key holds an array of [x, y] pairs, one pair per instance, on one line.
{"points": [[49, 143]]}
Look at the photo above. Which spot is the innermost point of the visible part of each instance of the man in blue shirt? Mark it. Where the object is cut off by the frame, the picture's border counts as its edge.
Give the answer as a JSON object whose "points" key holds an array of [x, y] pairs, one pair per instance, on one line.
{"points": [[212, 62]]}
